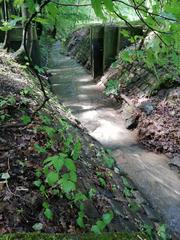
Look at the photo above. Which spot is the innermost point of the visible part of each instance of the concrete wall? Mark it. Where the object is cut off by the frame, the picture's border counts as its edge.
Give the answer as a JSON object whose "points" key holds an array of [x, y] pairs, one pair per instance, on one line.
{"points": [[106, 42], [14, 40], [110, 45], [97, 48]]}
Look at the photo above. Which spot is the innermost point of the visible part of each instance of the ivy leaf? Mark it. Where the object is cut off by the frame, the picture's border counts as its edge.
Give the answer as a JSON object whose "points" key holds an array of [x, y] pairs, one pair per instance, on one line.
{"points": [[52, 178]]}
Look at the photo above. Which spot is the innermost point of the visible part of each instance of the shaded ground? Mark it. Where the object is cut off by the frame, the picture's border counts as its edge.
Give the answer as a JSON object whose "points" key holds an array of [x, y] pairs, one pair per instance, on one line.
{"points": [[149, 171], [25, 191]]}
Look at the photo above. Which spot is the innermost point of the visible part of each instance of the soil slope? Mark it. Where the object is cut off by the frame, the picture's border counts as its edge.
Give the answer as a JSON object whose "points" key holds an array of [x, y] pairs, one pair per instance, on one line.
{"points": [[32, 200]]}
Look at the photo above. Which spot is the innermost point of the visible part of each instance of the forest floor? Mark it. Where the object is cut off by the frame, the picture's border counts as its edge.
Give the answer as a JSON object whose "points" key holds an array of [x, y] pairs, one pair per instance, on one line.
{"points": [[30, 198], [149, 171]]}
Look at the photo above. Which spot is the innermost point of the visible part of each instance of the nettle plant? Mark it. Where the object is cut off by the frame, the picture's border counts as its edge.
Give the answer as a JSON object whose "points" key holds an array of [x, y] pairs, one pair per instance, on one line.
{"points": [[58, 175]]}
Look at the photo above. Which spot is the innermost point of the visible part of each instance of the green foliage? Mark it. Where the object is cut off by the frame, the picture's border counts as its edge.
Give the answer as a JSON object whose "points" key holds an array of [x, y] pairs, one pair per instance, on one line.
{"points": [[37, 226], [107, 158], [47, 211], [26, 119], [80, 219], [87, 236], [76, 150], [112, 87], [9, 25], [162, 232], [101, 224], [7, 101], [5, 176]]}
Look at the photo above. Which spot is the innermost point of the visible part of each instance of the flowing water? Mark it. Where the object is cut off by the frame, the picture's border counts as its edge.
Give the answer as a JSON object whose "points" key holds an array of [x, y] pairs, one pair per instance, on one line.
{"points": [[149, 171]]}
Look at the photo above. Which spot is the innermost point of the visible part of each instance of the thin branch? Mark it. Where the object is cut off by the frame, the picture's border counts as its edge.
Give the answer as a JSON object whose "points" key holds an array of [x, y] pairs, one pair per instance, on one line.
{"points": [[151, 28], [72, 5], [146, 11], [27, 25]]}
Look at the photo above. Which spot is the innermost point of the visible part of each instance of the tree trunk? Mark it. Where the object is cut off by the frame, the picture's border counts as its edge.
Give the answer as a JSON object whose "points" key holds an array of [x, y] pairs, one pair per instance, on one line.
{"points": [[6, 18], [20, 53]]}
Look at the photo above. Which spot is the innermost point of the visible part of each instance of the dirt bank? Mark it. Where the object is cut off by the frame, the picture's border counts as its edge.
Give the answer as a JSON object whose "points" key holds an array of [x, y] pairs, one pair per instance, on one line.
{"points": [[30, 199]]}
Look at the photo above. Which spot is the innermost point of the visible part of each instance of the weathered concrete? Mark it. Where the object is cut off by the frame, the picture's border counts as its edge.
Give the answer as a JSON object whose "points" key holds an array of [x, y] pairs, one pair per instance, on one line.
{"points": [[150, 172], [97, 47], [110, 45]]}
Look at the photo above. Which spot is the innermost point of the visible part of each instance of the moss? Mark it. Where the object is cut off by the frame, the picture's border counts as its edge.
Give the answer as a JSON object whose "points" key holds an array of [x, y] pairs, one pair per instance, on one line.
{"points": [[42, 236]]}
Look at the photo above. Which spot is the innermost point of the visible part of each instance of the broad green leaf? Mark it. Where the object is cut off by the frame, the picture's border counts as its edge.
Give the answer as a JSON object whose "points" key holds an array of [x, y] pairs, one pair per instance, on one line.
{"points": [[73, 176], [70, 165], [48, 213], [101, 225], [107, 217], [95, 229], [80, 221], [109, 5], [67, 186], [52, 178], [52, 9], [58, 163], [97, 6], [41, 20]]}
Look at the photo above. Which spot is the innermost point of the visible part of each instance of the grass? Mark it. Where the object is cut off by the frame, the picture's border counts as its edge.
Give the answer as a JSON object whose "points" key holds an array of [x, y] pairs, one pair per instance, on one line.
{"points": [[43, 236]]}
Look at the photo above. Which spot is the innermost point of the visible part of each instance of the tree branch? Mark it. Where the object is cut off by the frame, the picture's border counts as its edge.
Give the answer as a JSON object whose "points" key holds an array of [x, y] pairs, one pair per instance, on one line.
{"points": [[27, 25]]}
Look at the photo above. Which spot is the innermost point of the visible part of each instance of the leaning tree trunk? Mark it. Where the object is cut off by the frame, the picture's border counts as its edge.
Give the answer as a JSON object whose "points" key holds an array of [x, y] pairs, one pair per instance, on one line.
{"points": [[6, 18], [20, 53]]}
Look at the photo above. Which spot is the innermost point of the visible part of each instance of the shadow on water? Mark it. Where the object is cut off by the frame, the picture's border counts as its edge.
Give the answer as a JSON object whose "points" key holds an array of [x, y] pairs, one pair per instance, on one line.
{"points": [[149, 171]]}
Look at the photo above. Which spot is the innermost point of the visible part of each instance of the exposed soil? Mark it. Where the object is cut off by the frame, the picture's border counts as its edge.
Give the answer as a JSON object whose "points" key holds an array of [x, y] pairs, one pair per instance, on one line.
{"points": [[159, 131]]}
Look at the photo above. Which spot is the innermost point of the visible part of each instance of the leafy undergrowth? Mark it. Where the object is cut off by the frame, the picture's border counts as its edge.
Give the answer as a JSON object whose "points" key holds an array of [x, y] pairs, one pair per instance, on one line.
{"points": [[112, 236], [54, 176]]}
